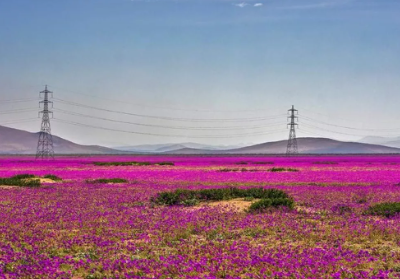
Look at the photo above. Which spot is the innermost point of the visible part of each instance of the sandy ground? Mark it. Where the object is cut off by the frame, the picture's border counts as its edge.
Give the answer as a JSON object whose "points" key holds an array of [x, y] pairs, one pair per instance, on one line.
{"points": [[239, 205], [7, 187]]}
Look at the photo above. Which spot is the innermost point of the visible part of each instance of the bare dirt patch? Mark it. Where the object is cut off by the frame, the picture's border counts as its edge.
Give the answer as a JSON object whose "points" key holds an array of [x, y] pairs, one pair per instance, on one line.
{"points": [[47, 180], [41, 179], [238, 205], [7, 187]]}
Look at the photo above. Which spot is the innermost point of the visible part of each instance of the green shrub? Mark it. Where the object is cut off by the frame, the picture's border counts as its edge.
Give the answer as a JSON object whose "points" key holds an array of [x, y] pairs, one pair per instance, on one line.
{"points": [[264, 163], [282, 169], [237, 170], [387, 209], [23, 180], [108, 180], [241, 163], [52, 177], [294, 170], [261, 193], [187, 197], [277, 169], [227, 170], [264, 205], [190, 202], [166, 164], [250, 170], [23, 176]]}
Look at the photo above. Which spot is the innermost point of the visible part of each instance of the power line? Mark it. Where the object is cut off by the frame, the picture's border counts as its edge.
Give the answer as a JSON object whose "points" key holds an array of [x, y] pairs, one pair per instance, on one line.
{"points": [[165, 135], [329, 116], [17, 111], [158, 107], [311, 133], [171, 118], [18, 100], [341, 133], [19, 121], [169, 127], [346, 127]]}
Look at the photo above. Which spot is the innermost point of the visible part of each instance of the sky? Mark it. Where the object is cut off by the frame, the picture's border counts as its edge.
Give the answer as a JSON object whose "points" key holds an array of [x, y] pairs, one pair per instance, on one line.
{"points": [[216, 72]]}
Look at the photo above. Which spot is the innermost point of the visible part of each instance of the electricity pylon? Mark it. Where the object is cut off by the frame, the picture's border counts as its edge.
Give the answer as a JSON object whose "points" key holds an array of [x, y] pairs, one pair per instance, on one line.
{"points": [[45, 143], [292, 142]]}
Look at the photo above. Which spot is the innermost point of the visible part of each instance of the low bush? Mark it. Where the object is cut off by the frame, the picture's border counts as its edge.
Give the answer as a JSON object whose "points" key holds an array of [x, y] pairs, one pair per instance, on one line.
{"points": [[227, 170], [237, 170], [165, 164], [23, 176], [282, 169], [191, 197], [264, 205], [387, 209], [241, 163], [52, 177], [22, 180], [264, 163], [250, 170], [107, 180]]}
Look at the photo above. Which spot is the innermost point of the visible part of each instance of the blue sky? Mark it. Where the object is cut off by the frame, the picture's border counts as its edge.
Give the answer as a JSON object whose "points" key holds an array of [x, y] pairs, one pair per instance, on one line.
{"points": [[337, 61]]}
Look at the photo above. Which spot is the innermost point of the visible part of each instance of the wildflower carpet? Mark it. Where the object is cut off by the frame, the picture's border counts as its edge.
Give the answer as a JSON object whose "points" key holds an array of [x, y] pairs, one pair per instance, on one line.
{"points": [[96, 217]]}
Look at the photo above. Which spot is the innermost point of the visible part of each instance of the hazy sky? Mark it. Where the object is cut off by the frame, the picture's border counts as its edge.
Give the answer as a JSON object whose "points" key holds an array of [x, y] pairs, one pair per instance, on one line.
{"points": [[337, 61]]}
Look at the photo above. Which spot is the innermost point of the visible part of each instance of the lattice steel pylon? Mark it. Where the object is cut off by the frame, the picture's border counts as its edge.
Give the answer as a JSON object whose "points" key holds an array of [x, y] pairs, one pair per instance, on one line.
{"points": [[292, 142], [45, 148]]}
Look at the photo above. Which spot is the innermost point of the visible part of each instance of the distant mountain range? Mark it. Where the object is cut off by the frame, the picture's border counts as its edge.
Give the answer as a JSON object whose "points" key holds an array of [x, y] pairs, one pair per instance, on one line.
{"points": [[14, 141], [306, 146], [159, 148]]}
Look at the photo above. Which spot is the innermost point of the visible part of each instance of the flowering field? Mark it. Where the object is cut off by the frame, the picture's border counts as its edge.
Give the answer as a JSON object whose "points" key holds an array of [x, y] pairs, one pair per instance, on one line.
{"points": [[80, 228]]}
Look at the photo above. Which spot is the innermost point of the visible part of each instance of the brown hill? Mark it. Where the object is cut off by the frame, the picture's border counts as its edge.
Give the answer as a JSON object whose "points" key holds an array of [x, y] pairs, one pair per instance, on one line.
{"points": [[306, 146], [14, 141]]}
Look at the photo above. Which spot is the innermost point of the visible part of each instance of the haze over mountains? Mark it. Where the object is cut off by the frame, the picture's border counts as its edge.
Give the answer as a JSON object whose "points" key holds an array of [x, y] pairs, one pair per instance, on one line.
{"points": [[14, 141], [392, 142], [157, 148], [306, 146]]}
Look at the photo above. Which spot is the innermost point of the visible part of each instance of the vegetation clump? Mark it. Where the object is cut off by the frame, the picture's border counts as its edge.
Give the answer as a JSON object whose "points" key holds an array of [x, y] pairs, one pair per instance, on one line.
{"points": [[107, 180], [165, 164], [23, 176], [52, 177], [22, 180], [269, 198], [282, 169], [133, 163], [265, 205], [237, 170], [387, 209]]}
